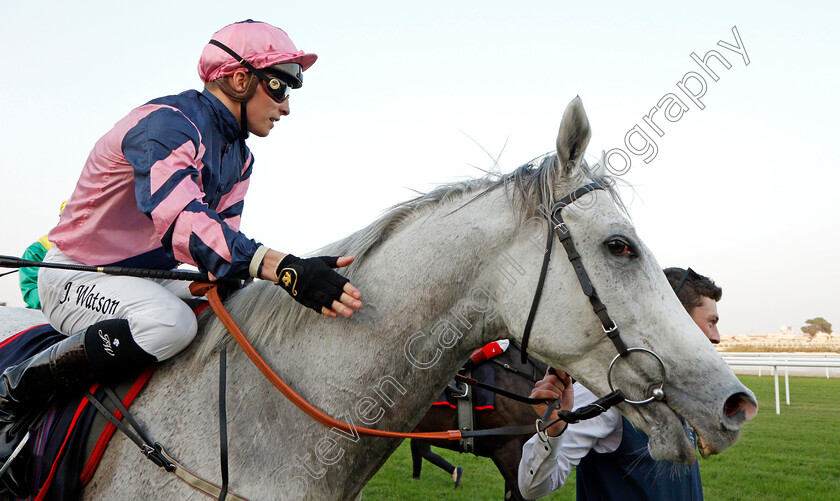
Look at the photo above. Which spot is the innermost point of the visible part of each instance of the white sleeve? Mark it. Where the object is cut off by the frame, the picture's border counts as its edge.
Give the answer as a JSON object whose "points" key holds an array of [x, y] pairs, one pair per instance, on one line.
{"points": [[545, 466]]}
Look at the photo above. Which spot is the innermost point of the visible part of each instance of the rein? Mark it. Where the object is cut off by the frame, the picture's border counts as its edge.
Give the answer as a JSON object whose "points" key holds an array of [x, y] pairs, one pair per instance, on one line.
{"points": [[587, 412], [212, 295]]}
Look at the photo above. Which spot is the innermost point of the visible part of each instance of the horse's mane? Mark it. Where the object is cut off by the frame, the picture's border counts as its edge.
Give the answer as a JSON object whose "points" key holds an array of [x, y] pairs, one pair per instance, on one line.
{"points": [[528, 187], [532, 185]]}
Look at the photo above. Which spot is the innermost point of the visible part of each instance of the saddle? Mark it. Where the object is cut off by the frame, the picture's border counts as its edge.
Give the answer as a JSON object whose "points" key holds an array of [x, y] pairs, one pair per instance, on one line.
{"points": [[63, 452]]}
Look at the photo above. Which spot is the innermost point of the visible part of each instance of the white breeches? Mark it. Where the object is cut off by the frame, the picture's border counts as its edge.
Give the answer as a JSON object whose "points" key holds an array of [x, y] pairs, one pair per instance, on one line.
{"points": [[161, 322]]}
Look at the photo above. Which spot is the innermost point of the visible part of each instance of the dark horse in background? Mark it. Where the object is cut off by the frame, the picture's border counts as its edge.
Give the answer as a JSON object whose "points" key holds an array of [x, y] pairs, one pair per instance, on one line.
{"points": [[505, 451]]}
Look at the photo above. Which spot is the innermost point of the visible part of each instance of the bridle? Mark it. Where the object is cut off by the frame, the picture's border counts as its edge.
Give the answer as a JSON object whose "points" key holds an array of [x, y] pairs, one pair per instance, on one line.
{"points": [[559, 228]]}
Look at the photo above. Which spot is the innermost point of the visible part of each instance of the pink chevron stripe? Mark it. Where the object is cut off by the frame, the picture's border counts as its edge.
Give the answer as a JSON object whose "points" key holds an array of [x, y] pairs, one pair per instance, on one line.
{"points": [[248, 162], [199, 163], [169, 209], [236, 195], [234, 222], [180, 158], [204, 227]]}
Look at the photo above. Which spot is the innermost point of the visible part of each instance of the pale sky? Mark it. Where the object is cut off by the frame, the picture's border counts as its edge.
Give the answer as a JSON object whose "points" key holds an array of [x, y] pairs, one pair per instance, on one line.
{"points": [[404, 96]]}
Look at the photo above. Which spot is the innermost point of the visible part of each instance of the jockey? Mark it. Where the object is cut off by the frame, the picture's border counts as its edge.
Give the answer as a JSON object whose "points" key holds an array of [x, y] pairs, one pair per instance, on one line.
{"points": [[166, 186]]}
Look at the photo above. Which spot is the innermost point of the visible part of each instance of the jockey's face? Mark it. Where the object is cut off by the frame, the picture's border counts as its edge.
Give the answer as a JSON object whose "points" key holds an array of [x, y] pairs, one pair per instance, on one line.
{"points": [[706, 317], [263, 111]]}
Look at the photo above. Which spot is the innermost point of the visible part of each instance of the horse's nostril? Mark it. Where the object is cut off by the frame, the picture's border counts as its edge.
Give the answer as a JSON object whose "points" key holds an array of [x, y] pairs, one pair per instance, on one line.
{"points": [[740, 402]]}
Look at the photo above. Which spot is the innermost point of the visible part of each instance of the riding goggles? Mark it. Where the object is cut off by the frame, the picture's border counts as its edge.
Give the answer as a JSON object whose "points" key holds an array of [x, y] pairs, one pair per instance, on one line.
{"points": [[277, 89], [277, 84]]}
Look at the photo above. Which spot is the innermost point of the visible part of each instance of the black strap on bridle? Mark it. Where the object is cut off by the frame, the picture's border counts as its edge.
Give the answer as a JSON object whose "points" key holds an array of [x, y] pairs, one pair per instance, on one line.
{"points": [[586, 412], [536, 371], [514, 370], [537, 295], [557, 226], [499, 391]]}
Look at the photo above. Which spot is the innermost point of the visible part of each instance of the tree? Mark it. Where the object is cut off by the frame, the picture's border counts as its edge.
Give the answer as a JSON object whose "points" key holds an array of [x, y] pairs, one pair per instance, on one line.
{"points": [[815, 325]]}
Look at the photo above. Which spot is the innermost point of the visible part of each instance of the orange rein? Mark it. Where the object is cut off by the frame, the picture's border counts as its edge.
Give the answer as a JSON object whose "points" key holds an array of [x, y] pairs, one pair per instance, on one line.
{"points": [[212, 294]]}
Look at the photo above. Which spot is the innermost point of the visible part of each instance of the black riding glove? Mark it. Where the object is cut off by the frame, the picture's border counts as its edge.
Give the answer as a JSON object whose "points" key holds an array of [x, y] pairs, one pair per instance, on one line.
{"points": [[311, 281]]}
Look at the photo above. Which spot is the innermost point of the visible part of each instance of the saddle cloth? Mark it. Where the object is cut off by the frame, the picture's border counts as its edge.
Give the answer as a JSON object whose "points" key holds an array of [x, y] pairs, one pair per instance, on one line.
{"points": [[66, 449]]}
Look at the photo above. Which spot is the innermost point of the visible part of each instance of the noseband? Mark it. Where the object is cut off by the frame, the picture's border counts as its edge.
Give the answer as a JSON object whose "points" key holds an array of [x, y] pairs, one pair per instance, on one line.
{"points": [[558, 227]]}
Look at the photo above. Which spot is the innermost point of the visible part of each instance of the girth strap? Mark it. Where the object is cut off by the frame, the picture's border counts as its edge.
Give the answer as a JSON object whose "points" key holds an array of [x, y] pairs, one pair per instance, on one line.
{"points": [[135, 433], [156, 453], [199, 483], [466, 420]]}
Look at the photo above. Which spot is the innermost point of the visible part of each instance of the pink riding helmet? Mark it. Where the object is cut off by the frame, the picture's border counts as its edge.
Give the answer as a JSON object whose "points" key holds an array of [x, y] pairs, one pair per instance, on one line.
{"points": [[261, 44]]}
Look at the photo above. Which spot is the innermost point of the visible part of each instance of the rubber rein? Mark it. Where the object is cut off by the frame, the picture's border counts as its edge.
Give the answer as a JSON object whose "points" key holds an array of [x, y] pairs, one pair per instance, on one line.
{"points": [[212, 295]]}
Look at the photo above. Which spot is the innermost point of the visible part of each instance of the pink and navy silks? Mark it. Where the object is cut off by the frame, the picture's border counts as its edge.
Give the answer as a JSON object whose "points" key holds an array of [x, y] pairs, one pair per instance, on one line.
{"points": [[164, 186], [64, 452]]}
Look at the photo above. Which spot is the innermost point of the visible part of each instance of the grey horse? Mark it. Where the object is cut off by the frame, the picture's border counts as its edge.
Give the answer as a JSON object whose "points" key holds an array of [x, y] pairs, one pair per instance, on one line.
{"points": [[443, 274]]}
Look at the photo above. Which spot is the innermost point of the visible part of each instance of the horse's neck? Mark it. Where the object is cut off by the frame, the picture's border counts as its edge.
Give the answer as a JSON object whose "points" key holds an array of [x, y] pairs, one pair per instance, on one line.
{"points": [[429, 299], [427, 307]]}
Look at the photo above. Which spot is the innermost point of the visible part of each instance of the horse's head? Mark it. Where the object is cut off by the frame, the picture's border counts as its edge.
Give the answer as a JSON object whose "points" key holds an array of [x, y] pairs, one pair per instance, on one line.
{"points": [[569, 334]]}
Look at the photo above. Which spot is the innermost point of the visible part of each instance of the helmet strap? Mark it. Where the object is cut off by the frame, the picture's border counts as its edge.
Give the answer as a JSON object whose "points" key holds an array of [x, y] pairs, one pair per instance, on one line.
{"points": [[243, 120], [238, 96], [242, 97]]}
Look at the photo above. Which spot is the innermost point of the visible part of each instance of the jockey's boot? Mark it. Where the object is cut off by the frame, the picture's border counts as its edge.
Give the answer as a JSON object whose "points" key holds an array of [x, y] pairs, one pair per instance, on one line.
{"points": [[104, 352], [37, 377]]}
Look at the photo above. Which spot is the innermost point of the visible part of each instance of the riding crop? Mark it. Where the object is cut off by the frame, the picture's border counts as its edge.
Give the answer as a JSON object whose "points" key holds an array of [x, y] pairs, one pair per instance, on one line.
{"points": [[193, 276]]}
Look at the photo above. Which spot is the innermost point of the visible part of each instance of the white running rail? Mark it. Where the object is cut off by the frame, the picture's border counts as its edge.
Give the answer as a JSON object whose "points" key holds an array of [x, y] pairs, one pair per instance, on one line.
{"points": [[775, 360]]}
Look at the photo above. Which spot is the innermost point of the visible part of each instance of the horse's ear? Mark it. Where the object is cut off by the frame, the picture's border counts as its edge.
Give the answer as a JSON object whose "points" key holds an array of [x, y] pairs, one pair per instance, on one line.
{"points": [[573, 136]]}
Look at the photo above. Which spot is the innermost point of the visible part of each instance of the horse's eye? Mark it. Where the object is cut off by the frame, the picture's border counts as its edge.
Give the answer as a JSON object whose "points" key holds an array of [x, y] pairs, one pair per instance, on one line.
{"points": [[619, 247]]}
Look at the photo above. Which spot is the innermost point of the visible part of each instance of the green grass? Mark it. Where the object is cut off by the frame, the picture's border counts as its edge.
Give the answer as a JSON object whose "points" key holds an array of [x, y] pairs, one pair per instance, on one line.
{"points": [[790, 348], [791, 456]]}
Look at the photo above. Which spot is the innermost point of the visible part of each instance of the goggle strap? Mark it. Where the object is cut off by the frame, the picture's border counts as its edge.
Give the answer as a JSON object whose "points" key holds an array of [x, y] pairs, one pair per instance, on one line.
{"points": [[233, 54]]}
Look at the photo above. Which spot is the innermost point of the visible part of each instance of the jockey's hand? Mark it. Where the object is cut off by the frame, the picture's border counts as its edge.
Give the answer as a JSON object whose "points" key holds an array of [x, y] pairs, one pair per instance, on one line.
{"points": [[313, 283], [555, 384]]}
